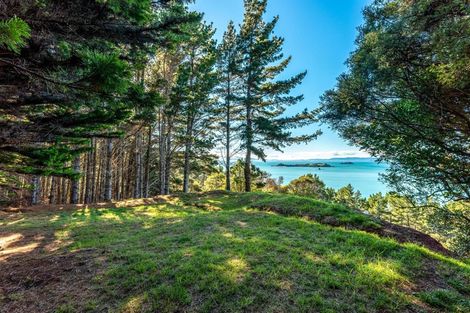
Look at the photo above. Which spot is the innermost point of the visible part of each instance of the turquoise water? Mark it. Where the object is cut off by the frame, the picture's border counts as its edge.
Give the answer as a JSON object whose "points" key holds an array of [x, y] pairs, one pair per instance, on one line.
{"points": [[363, 174]]}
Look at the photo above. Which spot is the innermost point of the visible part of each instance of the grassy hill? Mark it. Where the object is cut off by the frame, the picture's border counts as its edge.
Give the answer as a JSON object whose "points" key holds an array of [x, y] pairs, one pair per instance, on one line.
{"points": [[221, 253]]}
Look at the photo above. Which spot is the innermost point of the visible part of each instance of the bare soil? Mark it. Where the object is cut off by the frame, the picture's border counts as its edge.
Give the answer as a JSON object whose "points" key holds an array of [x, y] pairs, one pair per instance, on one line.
{"points": [[38, 276]]}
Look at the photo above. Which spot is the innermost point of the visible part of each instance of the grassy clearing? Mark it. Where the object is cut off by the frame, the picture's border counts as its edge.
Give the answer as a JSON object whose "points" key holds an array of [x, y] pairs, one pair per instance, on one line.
{"points": [[216, 254]]}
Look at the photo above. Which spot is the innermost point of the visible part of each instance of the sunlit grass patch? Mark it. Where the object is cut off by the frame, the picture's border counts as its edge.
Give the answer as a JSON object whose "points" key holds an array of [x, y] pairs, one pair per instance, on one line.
{"points": [[172, 257], [381, 272]]}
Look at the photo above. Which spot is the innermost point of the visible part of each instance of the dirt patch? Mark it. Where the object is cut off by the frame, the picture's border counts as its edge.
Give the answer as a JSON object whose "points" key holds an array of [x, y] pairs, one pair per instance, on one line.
{"points": [[43, 278], [405, 234]]}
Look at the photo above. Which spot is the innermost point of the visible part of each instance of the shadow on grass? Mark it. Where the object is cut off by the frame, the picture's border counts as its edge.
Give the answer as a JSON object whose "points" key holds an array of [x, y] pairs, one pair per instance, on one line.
{"points": [[167, 258]]}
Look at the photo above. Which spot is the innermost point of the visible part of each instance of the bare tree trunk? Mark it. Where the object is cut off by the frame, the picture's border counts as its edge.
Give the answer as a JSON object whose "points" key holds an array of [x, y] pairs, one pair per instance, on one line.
{"points": [[227, 147], [36, 190], [99, 193], [59, 190], [249, 139], [74, 198], [83, 169], [162, 150], [64, 191], [93, 171], [128, 181], [147, 162], [121, 162], [168, 157], [187, 155], [47, 188], [108, 172], [52, 195], [89, 173], [138, 167]]}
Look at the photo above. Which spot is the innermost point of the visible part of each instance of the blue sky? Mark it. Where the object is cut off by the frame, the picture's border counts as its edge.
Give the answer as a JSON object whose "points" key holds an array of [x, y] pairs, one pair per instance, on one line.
{"points": [[319, 35]]}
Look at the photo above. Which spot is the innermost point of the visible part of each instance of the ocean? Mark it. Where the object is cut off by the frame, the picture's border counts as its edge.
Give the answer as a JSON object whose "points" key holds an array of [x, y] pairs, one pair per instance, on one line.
{"points": [[361, 173]]}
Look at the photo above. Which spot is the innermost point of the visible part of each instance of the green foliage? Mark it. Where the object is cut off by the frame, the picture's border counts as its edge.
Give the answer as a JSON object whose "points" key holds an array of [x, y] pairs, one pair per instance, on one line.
{"points": [[452, 222], [138, 11], [237, 171], [405, 95], [376, 204], [348, 197], [104, 72], [83, 82], [13, 34], [51, 161], [308, 185], [10, 186], [447, 222], [216, 181], [264, 96]]}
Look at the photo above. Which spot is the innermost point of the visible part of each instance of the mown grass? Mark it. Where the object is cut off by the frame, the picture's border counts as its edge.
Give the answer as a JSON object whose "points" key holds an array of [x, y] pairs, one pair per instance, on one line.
{"points": [[216, 254]]}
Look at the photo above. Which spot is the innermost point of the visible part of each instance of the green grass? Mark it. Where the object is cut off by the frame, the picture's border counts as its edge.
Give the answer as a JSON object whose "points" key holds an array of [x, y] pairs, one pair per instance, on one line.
{"points": [[293, 206], [215, 253]]}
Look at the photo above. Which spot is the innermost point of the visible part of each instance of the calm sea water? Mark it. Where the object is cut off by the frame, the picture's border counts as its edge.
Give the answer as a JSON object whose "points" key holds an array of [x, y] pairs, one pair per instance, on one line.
{"points": [[362, 174]]}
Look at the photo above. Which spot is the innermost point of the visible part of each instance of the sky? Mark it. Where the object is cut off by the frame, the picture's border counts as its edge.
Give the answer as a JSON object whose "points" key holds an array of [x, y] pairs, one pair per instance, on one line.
{"points": [[319, 35]]}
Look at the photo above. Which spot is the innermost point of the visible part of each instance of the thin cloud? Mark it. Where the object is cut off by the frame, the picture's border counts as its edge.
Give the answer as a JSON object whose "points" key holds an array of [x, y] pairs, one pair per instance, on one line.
{"points": [[305, 155]]}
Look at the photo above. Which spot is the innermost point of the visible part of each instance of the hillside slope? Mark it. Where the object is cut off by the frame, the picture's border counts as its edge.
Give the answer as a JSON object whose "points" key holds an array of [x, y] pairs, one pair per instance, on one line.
{"points": [[220, 253]]}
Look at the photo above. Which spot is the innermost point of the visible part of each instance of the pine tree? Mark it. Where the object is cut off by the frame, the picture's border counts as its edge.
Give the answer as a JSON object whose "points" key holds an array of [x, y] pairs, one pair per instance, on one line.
{"points": [[265, 98], [66, 75], [162, 79], [195, 83], [229, 109]]}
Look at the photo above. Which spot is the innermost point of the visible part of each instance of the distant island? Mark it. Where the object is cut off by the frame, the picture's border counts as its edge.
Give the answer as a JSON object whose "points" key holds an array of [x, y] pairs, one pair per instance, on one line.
{"points": [[347, 163], [304, 165]]}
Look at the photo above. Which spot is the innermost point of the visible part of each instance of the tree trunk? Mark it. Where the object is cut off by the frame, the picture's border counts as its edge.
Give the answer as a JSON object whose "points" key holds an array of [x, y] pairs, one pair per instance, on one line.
{"points": [[64, 190], [227, 144], [249, 139], [162, 152], [81, 195], [138, 167], [89, 182], [168, 156], [129, 192], [100, 158], [120, 170], [109, 171], [52, 195], [74, 198], [187, 154], [36, 190], [162, 168], [93, 172], [147, 162]]}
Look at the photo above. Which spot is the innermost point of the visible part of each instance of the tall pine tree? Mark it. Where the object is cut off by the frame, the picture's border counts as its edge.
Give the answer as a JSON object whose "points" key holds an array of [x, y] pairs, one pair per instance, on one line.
{"points": [[265, 98], [228, 90], [195, 83]]}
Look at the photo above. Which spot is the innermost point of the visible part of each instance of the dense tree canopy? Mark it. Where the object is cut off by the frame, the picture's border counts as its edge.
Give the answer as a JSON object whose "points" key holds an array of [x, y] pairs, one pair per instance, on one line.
{"points": [[406, 95], [68, 74]]}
